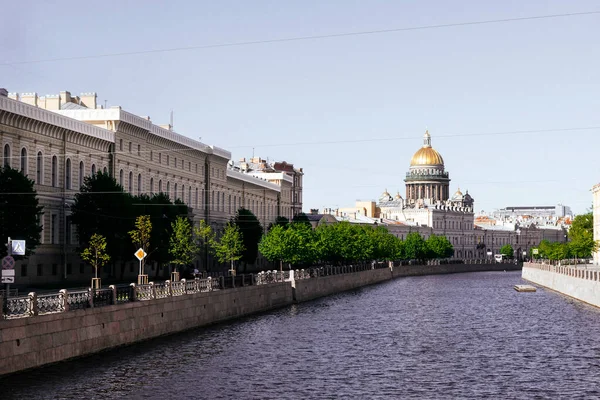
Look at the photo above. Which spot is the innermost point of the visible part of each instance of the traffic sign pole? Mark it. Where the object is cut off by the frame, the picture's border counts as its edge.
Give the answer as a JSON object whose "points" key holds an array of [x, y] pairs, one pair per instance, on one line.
{"points": [[9, 248]]}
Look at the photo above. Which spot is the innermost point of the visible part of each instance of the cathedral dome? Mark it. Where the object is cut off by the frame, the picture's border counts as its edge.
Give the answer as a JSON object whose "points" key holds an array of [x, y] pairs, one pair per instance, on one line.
{"points": [[426, 155]]}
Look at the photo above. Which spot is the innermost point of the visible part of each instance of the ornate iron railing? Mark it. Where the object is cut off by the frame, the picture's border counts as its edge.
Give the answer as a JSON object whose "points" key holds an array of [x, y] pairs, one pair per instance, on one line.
{"points": [[161, 290], [18, 307], [213, 284], [50, 303], [77, 300], [144, 292], [178, 288], [192, 286], [124, 294], [102, 297]]}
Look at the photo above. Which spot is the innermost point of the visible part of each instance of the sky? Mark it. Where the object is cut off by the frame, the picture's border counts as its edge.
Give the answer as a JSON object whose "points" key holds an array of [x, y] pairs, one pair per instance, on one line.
{"points": [[513, 107]]}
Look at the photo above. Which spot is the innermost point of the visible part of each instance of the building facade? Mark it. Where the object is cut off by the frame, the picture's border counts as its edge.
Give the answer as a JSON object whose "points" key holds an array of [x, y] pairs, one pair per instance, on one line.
{"points": [[57, 140]]}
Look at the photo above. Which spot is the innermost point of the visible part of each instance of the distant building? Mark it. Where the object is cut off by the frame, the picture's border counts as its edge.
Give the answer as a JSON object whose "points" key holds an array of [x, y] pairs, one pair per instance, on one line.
{"points": [[555, 213]]}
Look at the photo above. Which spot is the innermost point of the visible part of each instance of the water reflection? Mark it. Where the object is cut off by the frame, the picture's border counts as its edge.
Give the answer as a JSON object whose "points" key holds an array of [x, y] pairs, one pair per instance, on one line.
{"points": [[450, 336]]}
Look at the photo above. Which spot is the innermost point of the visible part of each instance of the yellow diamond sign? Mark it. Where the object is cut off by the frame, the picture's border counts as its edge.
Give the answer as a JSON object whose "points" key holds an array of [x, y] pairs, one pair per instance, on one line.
{"points": [[140, 254]]}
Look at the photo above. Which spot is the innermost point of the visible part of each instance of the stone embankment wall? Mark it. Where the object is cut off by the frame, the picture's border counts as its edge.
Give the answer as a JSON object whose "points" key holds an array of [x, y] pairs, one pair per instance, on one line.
{"points": [[39, 340], [36, 341], [579, 283]]}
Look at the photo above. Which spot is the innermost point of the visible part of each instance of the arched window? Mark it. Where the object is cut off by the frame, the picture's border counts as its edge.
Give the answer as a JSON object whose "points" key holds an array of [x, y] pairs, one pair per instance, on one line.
{"points": [[175, 192], [93, 169], [160, 186], [81, 173], [229, 203], [54, 170], [7, 155], [151, 186], [24, 161], [234, 204], [223, 201], [218, 198], [190, 196], [169, 189], [196, 202], [121, 178], [68, 174], [183, 193], [139, 186], [130, 182], [39, 166], [212, 200], [104, 170]]}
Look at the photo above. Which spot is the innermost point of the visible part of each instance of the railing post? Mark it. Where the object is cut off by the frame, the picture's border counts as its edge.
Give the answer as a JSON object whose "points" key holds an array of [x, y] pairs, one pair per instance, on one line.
{"points": [[34, 305], [152, 290], [134, 292], [114, 293], [169, 288], [65, 297], [91, 297]]}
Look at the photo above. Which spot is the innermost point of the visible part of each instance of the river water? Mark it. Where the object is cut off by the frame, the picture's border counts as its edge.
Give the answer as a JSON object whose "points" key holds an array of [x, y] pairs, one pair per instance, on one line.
{"points": [[446, 336]]}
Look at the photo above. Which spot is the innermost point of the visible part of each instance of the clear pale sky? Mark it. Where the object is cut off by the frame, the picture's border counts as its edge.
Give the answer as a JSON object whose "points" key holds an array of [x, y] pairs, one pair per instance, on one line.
{"points": [[302, 101]]}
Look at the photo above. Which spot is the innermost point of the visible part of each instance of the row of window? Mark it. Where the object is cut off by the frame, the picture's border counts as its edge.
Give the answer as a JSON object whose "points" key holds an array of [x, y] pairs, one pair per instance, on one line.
{"points": [[39, 172]]}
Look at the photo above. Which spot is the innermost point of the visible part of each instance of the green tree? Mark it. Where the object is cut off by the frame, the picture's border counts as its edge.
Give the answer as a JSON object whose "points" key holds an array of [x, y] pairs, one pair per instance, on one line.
{"points": [[301, 218], [581, 236], [439, 247], [385, 245], [20, 212], [293, 245], [140, 236], [415, 247], [95, 254], [205, 238], [272, 245], [281, 221], [251, 231], [102, 207], [507, 251], [183, 248], [230, 247]]}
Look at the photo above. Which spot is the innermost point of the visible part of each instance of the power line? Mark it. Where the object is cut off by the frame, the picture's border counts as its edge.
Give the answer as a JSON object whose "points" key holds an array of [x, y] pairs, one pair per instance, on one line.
{"points": [[303, 38], [454, 135]]}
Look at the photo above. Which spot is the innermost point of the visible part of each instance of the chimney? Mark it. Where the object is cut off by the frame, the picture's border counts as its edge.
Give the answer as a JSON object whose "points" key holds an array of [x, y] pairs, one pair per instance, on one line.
{"points": [[52, 101], [3, 92], [89, 99], [30, 98], [314, 211], [65, 97]]}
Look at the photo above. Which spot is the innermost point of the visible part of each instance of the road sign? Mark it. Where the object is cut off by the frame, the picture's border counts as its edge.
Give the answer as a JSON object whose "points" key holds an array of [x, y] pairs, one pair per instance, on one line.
{"points": [[8, 272], [140, 254], [8, 279], [8, 262], [534, 251], [18, 247]]}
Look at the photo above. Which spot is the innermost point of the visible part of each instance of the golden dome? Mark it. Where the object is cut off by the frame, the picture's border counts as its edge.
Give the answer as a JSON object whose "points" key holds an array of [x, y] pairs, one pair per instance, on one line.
{"points": [[426, 155]]}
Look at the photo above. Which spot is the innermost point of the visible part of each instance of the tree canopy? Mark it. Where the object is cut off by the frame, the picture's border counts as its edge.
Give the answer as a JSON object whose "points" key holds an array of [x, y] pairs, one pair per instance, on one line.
{"points": [[507, 251], [581, 236], [230, 246], [95, 254], [20, 212], [251, 231], [182, 247]]}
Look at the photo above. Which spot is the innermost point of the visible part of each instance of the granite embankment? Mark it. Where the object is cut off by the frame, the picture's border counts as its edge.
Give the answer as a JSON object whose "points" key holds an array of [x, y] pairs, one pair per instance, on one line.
{"points": [[35, 340]]}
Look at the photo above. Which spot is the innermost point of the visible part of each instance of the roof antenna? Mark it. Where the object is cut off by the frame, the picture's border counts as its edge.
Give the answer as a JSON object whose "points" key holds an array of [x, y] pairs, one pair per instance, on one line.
{"points": [[253, 152], [171, 120]]}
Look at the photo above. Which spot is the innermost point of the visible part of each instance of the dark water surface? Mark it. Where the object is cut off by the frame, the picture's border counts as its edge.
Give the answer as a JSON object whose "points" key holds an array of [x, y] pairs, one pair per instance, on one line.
{"points": [[447, 336]]}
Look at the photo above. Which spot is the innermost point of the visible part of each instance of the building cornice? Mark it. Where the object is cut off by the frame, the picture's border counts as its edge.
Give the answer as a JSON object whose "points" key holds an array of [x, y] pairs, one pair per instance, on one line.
{"points": [[252, 179]]}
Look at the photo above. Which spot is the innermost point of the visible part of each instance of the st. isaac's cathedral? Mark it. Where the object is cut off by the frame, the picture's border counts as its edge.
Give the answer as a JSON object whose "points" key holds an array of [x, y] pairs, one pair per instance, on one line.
{"points": [[429, 208]]}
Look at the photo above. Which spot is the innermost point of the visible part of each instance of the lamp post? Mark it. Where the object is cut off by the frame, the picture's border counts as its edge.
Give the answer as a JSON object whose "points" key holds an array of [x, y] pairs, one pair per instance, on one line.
{"points": [[515, 250]]}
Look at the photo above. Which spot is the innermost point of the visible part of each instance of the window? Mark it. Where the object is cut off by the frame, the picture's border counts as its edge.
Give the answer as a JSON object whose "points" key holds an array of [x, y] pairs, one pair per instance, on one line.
{"points": [[190, 166], [175, 193], [24, 161], [169, 189], [55, 269], [7, 155], [54, 170], [40, 269], [229, 204], [190, 195], [121, 178], [159, 158], [130, 147], [160, 186], [139, 187], [93, 169], [151, 186], [212, 200], [223, 201], [167, 160], [68, 174], [196, 202], [196, 168], [183, 193], [38, 168], [182, 166], [139, 150], [23, 269], [120, 144], [130, 182], [175, 164], [53, 228], [81, 173], [104, 169], [151, 155]]}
